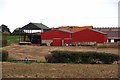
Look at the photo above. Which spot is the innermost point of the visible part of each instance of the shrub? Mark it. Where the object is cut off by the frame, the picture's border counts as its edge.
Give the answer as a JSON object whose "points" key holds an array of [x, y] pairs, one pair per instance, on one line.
{"points": [[81, 57], [108, 58], [3, 55], [49, 58]]}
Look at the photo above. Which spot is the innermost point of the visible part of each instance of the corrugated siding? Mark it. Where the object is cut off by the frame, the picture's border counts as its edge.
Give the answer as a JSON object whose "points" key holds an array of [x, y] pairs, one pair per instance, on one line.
{"points": [[57, 42], [89, 36], [68, 41], [49, 35]]}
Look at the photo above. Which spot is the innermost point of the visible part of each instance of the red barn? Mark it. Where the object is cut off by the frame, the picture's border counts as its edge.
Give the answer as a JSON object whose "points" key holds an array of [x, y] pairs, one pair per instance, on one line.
{"points": [[89, 35], [57, 42], [67, 41], [55, 37]]}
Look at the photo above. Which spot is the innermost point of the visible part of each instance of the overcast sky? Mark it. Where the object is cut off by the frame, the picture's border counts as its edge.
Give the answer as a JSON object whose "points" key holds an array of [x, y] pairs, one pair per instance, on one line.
{"points": [[54, 13]]}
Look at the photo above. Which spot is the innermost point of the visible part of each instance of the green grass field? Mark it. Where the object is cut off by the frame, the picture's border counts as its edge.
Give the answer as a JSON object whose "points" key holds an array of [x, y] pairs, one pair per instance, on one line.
{"points": [[12, 39]]}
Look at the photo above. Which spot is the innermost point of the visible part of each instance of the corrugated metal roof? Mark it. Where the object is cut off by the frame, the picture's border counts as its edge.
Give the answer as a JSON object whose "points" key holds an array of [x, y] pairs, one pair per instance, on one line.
{"points": [[111, 32], [114, 37], [75, 28], [35, 26], [99, 31], [65, 30], [107, 28], [95, 31], [40, 25]]}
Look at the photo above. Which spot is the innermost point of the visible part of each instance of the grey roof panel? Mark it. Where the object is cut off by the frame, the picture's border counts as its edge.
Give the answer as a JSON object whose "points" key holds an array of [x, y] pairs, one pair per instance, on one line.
{"points": [[93, 30], [40, 25], [112, 33], [34, 26], [99, 31]]}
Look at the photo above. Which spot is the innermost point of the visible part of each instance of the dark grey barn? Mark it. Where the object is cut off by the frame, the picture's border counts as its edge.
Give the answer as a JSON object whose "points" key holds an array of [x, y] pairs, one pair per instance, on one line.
{"points": [[28, 32]]}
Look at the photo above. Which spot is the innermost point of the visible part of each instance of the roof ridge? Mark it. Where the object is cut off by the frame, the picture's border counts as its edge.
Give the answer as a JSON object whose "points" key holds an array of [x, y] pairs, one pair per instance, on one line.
{"points": [[99, 31], [35, 23], [92, 30], [64, 30]]}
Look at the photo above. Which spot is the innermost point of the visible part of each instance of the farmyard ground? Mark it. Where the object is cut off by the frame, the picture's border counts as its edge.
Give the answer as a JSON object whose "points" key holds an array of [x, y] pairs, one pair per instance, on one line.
{"points": [[46, 70]]}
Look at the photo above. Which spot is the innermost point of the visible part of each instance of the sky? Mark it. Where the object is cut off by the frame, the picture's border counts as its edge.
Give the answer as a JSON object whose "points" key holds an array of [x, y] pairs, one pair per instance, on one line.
{"points": [[55, 13]]}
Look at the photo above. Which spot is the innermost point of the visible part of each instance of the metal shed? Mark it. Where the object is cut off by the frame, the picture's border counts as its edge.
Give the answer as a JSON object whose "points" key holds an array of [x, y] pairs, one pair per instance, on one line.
{"points": [[28, 34], [55, 36], [89, 35]]}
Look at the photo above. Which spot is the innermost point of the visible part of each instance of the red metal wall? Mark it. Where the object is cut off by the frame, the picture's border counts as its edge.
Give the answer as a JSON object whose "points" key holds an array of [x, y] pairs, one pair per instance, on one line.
{"points": [[49, 35], [57, 42], [68, 41], [89, 35]]}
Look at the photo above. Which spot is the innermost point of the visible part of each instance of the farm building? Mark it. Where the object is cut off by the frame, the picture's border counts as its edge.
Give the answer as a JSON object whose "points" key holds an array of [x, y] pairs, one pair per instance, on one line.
{"points": [[35, 26], [75, 28], [59, 37], [56, 37], [112, 33], [89, 35], [29, 35], [65, 35]]}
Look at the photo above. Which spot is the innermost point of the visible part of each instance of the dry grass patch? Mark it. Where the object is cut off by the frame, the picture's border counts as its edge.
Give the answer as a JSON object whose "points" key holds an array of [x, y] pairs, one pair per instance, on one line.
{"points": [[38, 52], [45, 70]]}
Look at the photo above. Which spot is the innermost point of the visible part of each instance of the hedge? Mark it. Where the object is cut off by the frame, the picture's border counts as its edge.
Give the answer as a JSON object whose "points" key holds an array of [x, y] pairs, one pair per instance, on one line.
{"points": [[81, 57], [3, 55]]}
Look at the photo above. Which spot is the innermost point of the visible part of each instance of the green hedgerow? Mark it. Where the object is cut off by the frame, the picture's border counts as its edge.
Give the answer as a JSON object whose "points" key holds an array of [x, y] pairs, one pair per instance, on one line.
{"points": [[81, 57]]}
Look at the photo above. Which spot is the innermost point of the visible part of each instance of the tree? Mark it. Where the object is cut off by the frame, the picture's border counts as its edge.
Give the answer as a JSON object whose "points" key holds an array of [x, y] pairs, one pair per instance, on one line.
{"points": [[17, 31], [4, 28]]}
